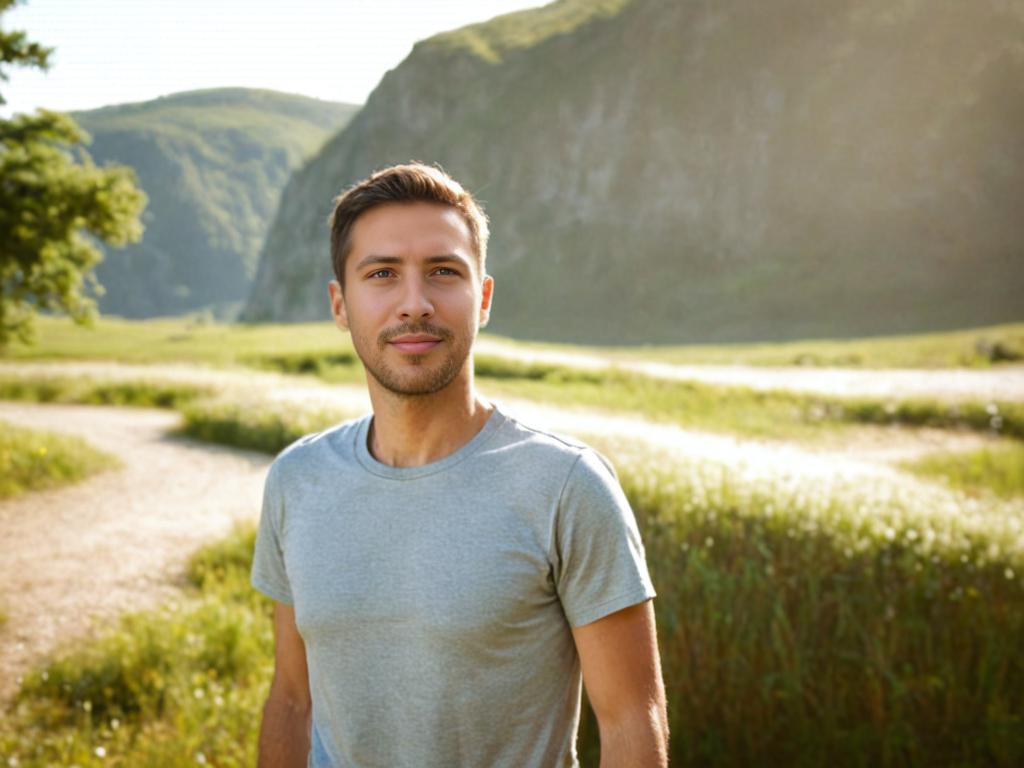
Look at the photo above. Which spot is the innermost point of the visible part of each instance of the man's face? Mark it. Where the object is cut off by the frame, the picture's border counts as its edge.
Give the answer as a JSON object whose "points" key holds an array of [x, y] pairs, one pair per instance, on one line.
{"points": [[413, 298]]}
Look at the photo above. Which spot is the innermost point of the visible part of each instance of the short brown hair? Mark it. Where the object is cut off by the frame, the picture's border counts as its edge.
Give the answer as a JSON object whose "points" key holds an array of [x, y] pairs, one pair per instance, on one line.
{"points": [[409, 183]]}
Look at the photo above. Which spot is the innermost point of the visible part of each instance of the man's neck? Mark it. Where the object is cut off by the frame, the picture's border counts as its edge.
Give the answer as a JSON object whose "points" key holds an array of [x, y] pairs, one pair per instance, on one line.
{"points": [[413, 431]]}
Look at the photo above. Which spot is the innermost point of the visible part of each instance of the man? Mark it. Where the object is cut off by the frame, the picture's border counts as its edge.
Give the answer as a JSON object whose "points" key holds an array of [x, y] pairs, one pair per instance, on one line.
{"points": [[444, 574]]}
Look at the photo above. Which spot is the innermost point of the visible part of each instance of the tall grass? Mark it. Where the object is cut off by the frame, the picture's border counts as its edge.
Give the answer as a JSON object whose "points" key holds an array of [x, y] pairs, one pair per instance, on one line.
{"points": [[800, 622], [809, 623], [999, 469], [178, 686], [32, 459], [63, 388], [255, 424], [695, 405], [730, 409]]}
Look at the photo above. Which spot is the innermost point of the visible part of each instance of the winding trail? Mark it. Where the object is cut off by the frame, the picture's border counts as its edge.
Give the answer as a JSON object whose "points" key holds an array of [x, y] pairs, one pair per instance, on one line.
{"points": [[1005, 382], [74, 558]]}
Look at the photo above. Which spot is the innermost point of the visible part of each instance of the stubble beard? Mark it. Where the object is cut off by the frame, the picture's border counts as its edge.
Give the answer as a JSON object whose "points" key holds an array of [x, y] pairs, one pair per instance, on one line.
{"points": [[413, 386]]}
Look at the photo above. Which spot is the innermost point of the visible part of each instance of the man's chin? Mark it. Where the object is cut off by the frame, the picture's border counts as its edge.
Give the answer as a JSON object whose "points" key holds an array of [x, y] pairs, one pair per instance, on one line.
{"points": [[415, 385]]}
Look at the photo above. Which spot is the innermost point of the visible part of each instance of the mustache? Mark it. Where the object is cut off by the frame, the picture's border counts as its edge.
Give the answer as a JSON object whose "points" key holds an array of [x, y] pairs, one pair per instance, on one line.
{"points": [[409, 328]]}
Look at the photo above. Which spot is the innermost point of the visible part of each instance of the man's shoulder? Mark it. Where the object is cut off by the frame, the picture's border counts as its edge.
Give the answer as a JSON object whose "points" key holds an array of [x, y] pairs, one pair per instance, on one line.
{"points": [[307, 452], [549, 448]]}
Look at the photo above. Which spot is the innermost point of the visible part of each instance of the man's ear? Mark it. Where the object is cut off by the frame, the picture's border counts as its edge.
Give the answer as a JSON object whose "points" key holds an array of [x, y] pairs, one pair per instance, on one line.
{"points": [[338, 309], [487, 291]]}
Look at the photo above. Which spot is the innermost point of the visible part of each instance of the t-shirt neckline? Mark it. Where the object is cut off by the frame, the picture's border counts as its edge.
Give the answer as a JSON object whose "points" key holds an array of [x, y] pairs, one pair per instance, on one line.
{"points": [[371, 464]]}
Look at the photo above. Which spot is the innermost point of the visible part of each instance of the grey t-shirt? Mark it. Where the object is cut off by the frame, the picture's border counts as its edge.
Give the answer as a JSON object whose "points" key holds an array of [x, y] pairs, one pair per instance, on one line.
{"points": [[435, 602]]}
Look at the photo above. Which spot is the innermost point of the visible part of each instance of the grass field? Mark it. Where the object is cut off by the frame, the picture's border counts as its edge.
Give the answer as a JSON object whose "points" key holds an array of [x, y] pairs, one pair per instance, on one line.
{"points": [[32, 460], [320, 350], [798, 623], [999, 469], [178, 339], [801, 622], [727, 409]]}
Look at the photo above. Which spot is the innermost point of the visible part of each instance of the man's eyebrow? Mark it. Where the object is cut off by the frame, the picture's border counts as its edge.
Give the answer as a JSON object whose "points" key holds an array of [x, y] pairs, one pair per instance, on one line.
{"points": [[439, 259]]}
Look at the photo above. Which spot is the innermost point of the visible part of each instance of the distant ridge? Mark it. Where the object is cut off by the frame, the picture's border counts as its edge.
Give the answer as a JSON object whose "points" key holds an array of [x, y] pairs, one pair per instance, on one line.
{"points": [[706, 171], [213, 163]]}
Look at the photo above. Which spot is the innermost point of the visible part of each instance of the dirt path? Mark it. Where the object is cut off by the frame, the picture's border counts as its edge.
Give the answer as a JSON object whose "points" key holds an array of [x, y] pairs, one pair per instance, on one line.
{"points": [[1003, 383], [120, 539]]}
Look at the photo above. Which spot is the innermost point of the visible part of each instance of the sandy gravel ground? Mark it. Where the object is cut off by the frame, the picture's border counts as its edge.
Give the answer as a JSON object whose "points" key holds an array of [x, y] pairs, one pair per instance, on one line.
{"points": [[75, 557]]}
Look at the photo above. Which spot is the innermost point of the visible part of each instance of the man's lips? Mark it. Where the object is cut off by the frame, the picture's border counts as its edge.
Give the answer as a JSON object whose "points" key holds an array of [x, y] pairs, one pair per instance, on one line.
{"points": [[415, 344]]}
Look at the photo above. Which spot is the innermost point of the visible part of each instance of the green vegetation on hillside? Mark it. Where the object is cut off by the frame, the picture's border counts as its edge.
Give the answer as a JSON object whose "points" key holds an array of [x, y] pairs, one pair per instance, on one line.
{"points": [[213, 163], [32, 460], [652, 171], [491, 40]]}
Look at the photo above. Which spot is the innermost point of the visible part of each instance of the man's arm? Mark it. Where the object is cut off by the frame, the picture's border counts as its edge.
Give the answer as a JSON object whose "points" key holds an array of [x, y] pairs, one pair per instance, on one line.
{"points": [[622, 673], [287, 715]]}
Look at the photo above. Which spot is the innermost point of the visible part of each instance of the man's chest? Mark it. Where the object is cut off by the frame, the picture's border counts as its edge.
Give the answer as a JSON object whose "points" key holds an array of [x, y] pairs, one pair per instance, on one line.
{"points": [[468, 571]]}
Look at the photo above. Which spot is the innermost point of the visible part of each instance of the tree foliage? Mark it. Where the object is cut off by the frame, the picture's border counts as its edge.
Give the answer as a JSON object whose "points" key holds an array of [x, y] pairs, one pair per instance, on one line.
{"points": [[55, 203]]}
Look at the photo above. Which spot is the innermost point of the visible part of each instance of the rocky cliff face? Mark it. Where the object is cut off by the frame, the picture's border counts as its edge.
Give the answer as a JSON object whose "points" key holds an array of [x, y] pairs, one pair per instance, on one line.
{"points": [[213, 164], [694, 171]]}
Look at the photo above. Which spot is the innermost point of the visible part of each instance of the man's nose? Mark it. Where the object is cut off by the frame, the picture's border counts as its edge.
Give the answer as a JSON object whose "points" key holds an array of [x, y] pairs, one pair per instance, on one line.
{"points": [[415, 302]]}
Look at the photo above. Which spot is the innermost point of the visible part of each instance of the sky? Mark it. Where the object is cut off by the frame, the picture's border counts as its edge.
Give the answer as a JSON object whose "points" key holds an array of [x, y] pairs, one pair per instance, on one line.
{"points": [[116, 51]]}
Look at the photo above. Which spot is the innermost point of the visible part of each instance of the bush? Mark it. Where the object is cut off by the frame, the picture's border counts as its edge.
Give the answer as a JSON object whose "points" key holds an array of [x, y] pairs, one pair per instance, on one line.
{"points": [[34, 460], [805, 622]]}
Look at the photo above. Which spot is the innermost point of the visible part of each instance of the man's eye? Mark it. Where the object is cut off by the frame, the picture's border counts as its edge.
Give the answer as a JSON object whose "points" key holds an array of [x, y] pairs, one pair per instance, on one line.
{"points": [[384, 272], [447, 270]]}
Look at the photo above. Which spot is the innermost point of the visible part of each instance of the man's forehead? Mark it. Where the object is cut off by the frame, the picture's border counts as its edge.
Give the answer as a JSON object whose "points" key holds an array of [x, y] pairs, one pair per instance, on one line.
{"points": [[411, 229], [412, 220]]}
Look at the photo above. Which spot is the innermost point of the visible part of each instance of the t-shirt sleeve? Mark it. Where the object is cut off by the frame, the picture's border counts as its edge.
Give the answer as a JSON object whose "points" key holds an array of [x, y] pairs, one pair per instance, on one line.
{"points": [[599, 561], [268, 571]]}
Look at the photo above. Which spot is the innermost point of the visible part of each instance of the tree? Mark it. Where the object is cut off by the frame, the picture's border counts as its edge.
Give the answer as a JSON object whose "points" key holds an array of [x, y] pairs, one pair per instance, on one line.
{"points": [[55, 204]]}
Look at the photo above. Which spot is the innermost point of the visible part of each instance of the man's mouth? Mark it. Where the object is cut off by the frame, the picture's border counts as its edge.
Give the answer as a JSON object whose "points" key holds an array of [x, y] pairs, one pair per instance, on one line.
{"points": [[415, 343]]}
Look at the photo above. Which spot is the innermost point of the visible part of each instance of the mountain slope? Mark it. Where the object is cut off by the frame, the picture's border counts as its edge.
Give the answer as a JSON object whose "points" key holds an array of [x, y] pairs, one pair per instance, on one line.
{"points": [[213, 164], [696, 171]]}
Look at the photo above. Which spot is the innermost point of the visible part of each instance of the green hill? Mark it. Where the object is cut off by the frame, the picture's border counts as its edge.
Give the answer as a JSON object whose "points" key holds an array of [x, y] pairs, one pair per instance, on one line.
{"points": [[706, 172], [213, 164]]}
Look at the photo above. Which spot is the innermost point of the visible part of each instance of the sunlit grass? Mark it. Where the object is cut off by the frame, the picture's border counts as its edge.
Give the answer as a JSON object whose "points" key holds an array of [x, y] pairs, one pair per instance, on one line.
{"points": [[86, 390], [256, 423], [750, 412], [732, 410], [982, 347], [178, 686], [195, 340], [32, 460], [999, 469], [800, 621], [809, 621], [175, 340]]}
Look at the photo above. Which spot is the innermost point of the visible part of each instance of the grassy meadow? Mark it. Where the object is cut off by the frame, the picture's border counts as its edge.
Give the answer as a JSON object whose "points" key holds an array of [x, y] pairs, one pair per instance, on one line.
{"points": [[801, 622], [199, 339], [321, 351], [869, 626], [999, 470], [32, 460]]}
